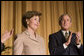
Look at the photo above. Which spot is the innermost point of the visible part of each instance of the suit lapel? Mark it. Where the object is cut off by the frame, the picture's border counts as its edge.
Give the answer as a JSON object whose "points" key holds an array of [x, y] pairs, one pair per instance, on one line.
{"points": [[69, 33], [30, 36], [62, 37]]}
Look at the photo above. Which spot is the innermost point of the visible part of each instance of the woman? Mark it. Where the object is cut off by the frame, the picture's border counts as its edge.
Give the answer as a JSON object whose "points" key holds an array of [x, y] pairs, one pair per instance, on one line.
{"points": [[5, 37], [29, 42]]}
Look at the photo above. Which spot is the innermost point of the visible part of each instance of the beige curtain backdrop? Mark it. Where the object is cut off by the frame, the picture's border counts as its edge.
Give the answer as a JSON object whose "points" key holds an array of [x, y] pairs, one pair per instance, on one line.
{"points": [[12, 11]]}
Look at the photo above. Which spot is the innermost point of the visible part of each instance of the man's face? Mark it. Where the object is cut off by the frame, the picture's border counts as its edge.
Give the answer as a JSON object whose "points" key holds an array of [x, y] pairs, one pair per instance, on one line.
{"points": [[66, 22]]}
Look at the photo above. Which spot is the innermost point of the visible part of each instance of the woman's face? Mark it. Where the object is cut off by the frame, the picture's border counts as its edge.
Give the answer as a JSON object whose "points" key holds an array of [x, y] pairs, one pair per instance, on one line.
{"points": [[34, 22]]}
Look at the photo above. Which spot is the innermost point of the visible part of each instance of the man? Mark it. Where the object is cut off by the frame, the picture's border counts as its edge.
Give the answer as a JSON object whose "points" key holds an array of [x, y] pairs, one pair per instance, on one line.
{"points": [[5, 37], [64, 42]]}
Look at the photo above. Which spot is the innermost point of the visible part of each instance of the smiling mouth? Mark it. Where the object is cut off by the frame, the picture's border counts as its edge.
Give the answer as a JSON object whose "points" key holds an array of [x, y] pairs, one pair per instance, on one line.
{"points": [[65, 25], [36, 24]]}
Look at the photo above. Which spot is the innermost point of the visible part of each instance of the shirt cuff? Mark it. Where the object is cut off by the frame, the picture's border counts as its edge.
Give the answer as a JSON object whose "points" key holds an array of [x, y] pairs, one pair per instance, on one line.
{"points": [[79, 45], [65, 46]]}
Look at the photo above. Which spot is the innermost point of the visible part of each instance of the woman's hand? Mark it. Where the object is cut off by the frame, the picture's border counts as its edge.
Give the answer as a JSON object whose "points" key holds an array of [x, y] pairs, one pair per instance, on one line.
{"points": [[6, 35]]}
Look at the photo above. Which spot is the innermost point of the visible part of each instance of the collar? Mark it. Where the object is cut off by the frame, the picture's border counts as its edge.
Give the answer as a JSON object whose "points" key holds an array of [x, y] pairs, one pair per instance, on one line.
{"points": [[31, 36], [65, 32]]}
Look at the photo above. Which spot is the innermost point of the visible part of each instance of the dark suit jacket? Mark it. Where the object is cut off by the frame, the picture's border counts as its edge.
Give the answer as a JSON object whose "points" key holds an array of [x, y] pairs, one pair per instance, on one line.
{"points": [[2, 47], [56, 41]]}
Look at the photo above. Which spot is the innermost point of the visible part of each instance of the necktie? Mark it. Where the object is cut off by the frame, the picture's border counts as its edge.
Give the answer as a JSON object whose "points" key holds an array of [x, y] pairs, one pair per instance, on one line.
{"points": [[66, 35]]}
